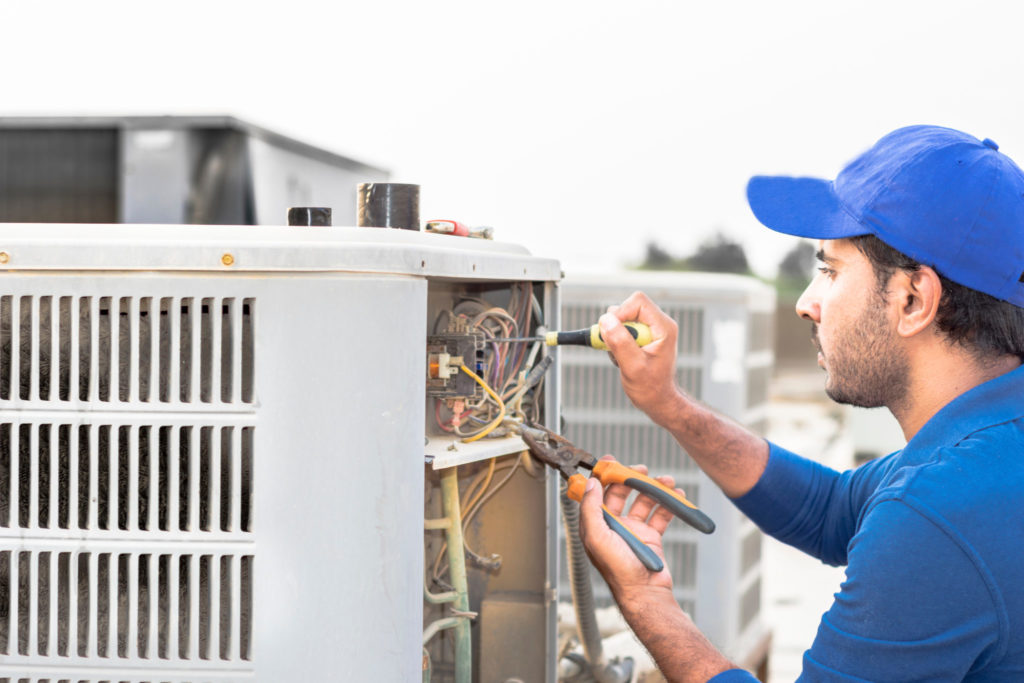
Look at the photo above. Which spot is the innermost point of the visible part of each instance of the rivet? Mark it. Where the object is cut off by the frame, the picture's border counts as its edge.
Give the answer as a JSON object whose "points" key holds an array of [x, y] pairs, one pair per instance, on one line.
{"points": [[227, 260], [4, 257]]}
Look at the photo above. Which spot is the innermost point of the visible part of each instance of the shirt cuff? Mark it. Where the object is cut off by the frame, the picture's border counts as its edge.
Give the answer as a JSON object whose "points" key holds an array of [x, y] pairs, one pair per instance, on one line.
{"points": [[733, 676]]}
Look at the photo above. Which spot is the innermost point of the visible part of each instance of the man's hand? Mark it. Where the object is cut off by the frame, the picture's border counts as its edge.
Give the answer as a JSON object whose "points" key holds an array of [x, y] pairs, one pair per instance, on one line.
{"points": [[681, 651], [647, 372], [731, 455], [608, 552]]}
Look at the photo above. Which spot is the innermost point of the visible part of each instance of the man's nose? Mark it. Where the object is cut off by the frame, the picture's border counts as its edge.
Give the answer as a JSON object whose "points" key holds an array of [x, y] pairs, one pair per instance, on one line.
{"points": [[808, 306]]}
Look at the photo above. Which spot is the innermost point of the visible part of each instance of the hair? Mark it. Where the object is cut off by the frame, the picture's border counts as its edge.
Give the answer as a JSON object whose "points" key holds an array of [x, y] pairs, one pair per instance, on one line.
{"points": [[982, 324]]}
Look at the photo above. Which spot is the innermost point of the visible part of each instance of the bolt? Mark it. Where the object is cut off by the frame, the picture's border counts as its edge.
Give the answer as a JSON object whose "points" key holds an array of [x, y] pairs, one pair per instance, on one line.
{"points": [[227, 260]]}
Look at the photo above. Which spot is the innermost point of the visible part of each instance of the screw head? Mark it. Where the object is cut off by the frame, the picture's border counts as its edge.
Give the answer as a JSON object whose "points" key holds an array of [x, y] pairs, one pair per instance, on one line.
{"points": [[4, 257], [227, 260]]}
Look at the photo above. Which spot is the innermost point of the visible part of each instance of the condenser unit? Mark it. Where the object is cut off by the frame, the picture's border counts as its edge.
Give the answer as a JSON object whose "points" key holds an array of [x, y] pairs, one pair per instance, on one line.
{"points": [[725, 360], [220, 458], [166, 169]]}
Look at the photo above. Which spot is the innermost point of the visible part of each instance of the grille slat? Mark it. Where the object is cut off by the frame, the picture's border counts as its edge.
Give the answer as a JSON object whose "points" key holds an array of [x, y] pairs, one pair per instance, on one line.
{"points": [[213, 649], [34, 333], [215, 507], [32, 621], [14, 485], [91, 648], [93, 386], [71, 618], [234, 393], [113, 374], [173, 607], [17, 332], [92, 520], [193, 393], [192, 639], [237, 485], [71, 497], [154, 606]]}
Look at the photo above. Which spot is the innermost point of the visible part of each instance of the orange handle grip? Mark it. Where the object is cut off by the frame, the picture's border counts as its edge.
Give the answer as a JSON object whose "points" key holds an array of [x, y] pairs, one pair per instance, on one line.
{"points": [[577, 487]]}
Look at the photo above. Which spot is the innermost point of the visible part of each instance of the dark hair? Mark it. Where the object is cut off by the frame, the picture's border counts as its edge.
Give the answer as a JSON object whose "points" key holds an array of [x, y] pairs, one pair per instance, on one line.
{"points": [[977, 321]]}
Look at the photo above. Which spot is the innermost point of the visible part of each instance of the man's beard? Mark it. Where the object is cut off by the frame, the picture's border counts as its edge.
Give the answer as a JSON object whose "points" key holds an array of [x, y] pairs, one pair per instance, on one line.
{"points": [[868, 368]]}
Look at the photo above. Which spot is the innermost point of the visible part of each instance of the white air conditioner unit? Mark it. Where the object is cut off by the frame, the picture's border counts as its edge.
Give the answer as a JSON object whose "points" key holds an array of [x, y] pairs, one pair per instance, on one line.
{"points": [[725, 360], [212, 465]]}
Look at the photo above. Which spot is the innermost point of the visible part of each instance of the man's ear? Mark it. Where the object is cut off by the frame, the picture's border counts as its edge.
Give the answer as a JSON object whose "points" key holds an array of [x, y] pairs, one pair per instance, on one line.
{"points": [[917, 294]]}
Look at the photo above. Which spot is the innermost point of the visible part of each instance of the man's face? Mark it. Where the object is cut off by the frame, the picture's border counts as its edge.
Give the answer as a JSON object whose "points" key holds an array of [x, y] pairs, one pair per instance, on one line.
{"points": [[854, 330]]}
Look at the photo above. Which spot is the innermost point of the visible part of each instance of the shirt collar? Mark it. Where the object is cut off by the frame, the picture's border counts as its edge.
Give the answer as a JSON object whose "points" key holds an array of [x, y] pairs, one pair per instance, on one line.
{"points": [[996, 401]]}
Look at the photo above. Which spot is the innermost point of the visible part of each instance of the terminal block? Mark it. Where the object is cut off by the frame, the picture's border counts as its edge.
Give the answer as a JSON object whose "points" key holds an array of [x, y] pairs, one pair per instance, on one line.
{"points": [[446, 353]]}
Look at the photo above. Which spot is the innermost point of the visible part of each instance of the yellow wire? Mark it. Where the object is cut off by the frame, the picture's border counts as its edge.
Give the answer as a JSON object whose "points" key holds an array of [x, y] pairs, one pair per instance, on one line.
{"points": [[501, 404], [474, 495]]}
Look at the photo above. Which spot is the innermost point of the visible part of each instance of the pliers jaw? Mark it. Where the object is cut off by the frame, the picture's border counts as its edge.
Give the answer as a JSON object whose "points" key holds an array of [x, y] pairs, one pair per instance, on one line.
{"points": [[551, 449]]}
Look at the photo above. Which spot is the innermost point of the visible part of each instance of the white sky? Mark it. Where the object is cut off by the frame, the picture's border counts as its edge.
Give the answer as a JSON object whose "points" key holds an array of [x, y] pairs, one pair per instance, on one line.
{"points": [[579, 129]]}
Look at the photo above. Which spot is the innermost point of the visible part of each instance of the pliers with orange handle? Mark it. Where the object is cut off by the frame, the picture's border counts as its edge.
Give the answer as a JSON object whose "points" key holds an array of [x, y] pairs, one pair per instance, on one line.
{"points": [[559, 453]]}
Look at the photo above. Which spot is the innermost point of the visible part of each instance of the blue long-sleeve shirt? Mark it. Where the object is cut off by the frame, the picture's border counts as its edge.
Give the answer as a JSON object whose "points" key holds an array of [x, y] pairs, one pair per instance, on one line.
{"points": [[933, 540]]}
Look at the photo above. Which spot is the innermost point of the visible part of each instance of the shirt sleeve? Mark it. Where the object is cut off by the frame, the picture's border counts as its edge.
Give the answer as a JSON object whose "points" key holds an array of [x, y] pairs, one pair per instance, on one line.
{"points": [[733, 676], [915, 605], [810, 506]]}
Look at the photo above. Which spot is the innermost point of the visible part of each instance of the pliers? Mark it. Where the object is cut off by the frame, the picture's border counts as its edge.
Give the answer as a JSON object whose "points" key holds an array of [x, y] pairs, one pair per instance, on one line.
{"points": [[559, 453]]}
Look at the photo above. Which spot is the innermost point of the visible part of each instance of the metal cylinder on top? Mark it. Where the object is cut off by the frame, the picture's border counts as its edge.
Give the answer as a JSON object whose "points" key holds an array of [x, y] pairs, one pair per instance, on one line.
{"points": [[388, 205], [309, 215]]}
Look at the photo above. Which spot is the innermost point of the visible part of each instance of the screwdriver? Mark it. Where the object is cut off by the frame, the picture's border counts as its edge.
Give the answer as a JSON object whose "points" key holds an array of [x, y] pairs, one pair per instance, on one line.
{"points": [[588, 336]]}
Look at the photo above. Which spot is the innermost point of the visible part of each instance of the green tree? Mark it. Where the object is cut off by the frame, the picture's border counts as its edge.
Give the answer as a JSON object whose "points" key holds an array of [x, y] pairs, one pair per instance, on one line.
{"points": [[720, 254], [797, 266]]}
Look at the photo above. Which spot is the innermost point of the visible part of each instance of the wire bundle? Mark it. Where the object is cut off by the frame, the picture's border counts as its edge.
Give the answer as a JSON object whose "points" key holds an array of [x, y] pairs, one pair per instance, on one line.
{"points": [[504, 366]]}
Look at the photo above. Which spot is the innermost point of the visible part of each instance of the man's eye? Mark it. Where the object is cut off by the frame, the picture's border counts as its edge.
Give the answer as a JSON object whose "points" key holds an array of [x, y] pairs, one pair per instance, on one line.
{"points": [[825, 270]]}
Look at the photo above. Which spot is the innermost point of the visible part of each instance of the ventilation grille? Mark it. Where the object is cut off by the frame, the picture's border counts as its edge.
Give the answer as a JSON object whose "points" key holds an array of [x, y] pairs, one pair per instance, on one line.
{"points": [[106, 349], [126, 487], [126, 478], [640, 442], [126, 605]]}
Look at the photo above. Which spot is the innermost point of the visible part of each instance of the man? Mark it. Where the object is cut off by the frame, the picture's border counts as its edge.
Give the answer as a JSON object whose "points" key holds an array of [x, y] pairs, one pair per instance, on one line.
{"points": [[917, 307]]}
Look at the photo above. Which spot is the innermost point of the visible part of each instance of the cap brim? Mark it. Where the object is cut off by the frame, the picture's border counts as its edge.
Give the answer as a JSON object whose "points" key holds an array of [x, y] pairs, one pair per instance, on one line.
{"points": [[805, 207]]}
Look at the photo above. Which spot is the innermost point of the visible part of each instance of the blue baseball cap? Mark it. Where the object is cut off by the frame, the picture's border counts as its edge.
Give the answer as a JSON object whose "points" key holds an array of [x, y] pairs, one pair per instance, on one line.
{"points": [[942, 197]]}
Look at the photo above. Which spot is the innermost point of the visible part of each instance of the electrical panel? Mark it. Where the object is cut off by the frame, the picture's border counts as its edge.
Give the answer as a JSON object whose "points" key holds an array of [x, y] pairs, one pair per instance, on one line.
{"points": [[496, 588]]}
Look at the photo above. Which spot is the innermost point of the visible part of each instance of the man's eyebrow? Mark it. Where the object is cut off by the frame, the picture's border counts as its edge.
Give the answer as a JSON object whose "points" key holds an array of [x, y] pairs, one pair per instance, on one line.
{"points": [[825, 258]]}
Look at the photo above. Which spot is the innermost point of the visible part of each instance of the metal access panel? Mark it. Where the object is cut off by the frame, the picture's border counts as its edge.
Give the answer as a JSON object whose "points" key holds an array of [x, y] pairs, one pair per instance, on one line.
{"points": [[212, 450], [725, 359]]}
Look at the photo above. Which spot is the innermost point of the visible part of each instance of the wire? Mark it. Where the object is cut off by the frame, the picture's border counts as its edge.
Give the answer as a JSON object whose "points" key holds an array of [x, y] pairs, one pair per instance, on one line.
{"points": [[473, 496], [468, 515], [501, 407]]}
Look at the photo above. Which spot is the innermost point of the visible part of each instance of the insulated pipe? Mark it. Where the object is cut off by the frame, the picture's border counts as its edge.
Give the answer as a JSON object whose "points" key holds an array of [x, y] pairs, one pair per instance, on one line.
{"points": [[457, 568], [579, 581], [583, 600]]}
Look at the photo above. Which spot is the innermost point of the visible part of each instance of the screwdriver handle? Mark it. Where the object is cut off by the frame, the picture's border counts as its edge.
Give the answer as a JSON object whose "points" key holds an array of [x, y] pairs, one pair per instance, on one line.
{"points": [[612, 472], [647, 557], [591, 336]]}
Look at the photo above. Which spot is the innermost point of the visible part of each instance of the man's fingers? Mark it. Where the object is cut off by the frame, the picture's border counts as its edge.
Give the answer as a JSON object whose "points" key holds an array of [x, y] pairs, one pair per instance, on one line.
{"points": [[620, 342], [592, 525], [638, 307], [615, 498], [661, 518], [641, 508]]}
